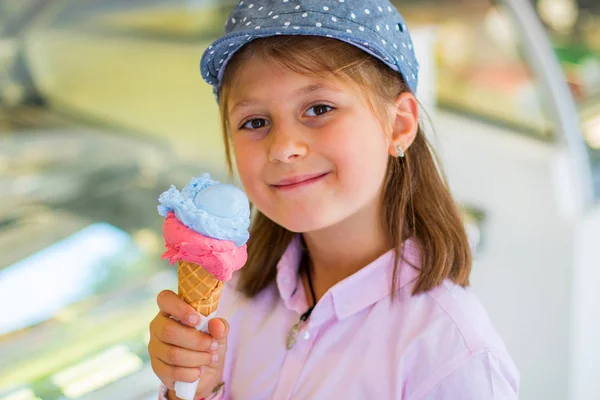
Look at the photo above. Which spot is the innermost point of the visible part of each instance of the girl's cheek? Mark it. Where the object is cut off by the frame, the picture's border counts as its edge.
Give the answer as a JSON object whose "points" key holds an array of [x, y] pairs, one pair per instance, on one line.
{"points": [[248, 166], [244, 156]]}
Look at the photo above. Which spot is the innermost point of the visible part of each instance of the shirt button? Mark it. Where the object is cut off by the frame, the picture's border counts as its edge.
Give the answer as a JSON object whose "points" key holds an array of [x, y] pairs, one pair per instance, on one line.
{"points": [[306, 335]]}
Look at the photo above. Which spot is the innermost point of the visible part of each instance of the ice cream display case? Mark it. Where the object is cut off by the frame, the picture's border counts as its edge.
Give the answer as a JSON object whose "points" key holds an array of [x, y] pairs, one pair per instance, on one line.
{"points": [[81, 267], [486, 70], [79, 307], [102, 108]]}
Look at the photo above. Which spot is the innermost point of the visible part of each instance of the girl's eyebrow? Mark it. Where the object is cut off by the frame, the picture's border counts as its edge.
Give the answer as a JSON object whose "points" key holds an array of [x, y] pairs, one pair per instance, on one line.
{"points": [[314, 88], [303, 91]]}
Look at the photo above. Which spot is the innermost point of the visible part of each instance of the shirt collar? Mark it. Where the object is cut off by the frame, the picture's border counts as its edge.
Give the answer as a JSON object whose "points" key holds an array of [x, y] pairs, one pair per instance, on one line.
{"points": [[360, 290], [287, 270]]}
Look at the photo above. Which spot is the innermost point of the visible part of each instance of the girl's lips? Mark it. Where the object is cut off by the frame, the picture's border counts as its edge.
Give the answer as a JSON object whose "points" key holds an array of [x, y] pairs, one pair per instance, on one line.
{"points": [[299, 181]]}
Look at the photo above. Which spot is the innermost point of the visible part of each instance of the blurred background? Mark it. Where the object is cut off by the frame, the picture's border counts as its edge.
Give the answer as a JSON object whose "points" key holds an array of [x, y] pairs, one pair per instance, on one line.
{"points": [[102, 108]]}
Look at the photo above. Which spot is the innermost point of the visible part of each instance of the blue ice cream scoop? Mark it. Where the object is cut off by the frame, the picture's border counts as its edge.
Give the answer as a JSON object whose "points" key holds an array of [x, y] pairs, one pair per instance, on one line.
{"points": [[216, 210]]}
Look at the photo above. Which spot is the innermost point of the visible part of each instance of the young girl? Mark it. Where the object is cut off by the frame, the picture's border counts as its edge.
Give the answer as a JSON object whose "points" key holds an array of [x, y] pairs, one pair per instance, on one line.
{"points": [[355, 285]]}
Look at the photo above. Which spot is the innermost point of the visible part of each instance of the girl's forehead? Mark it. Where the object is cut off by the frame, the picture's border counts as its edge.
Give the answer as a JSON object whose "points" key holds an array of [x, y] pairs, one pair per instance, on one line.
{"points": [[257, 73], [258, 64]]}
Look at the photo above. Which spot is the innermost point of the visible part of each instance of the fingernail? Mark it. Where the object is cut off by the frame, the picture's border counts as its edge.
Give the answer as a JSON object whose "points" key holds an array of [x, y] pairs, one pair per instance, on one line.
{"points": [[215, 358], [193, 319], [214, 345]]}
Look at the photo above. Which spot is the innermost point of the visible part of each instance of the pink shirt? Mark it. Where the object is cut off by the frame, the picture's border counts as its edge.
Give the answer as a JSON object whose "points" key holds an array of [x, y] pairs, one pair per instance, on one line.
{"points": [[357, 344]]}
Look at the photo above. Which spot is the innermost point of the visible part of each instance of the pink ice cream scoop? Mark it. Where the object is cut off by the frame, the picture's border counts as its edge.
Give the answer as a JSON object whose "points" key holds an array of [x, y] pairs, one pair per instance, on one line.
{"points": [[221, 258]]}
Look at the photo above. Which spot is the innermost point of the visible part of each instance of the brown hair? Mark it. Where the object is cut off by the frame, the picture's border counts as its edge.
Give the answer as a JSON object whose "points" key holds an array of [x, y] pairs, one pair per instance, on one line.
{"points": [[416, 201]]}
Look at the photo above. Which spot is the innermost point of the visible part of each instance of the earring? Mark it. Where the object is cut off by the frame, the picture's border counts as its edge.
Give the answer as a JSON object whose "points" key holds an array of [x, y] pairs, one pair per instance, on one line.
{"points": [[400, 151]]}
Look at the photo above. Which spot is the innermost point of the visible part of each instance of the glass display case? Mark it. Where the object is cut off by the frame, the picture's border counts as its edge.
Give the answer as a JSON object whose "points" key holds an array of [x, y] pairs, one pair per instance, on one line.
{"points": [[483, 73], [102, 108], [574, 31], [81, 265]]}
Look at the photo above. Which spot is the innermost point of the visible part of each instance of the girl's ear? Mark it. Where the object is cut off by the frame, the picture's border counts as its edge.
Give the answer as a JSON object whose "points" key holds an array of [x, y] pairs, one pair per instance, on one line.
{"points": [[405, 122]]}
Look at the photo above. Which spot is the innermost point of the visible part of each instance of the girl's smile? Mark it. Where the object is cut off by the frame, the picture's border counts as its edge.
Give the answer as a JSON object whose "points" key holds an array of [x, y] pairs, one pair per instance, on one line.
{"points": [[299, 181]]}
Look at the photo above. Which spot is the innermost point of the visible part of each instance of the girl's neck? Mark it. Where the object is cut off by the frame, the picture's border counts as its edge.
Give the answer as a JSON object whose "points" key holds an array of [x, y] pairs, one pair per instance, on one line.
{"points": [[341, 250]]}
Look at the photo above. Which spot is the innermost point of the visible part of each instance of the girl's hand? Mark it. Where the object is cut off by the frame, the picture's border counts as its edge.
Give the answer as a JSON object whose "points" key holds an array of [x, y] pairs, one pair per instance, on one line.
{"points": [[179, 352]]}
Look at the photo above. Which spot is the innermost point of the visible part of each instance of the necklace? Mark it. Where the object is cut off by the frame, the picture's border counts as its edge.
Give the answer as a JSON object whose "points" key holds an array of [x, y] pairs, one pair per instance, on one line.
{"points": [[292, 336]]}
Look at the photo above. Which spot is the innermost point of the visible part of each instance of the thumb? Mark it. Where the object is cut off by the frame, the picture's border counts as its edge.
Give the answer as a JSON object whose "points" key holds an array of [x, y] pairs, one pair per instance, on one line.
{"points": [[218, 329]]}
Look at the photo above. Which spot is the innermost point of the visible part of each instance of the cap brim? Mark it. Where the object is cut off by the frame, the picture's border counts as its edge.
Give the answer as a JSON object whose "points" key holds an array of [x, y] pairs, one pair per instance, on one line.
{"points": [[216, 57]]}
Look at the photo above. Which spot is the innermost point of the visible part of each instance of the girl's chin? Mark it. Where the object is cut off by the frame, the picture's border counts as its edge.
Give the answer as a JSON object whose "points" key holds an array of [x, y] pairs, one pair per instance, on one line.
{"points": [[300, 224]]}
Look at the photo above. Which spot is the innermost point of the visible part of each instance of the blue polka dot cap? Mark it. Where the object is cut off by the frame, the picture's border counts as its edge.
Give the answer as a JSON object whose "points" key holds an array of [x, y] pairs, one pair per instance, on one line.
{"points": [[374, 26]]}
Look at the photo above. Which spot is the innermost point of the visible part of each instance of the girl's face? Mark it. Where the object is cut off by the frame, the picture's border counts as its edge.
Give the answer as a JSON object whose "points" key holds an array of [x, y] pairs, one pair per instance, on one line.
{"points": [[309, 151]]}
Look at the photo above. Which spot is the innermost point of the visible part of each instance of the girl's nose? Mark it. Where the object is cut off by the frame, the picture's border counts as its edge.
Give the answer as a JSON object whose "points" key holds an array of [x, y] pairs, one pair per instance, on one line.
{"points": [[285, 148]]}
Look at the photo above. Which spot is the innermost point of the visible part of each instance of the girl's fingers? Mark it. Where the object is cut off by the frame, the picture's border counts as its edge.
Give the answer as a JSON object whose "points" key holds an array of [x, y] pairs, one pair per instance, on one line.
{"points": [[172, 332], [169, 374], [171, 305], [181, 353], [219, 329], [180, 357]]}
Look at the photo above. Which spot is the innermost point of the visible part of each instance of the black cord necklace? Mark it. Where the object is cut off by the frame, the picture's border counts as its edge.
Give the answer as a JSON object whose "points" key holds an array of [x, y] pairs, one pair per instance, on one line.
{"points": [[292, 337]]}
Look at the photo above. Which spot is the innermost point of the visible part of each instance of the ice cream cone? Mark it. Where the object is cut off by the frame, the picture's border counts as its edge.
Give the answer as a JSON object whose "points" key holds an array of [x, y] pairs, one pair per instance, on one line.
{"points": [[205, 231], [199, 288]]}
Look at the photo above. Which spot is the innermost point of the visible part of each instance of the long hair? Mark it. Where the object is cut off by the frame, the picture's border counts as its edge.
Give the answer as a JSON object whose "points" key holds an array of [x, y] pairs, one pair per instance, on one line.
{"points": [[417, 203]]}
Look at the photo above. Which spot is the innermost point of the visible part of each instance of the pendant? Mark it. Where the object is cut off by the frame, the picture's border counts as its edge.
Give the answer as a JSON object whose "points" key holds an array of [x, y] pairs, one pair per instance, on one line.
{"points": [[292, 336]]}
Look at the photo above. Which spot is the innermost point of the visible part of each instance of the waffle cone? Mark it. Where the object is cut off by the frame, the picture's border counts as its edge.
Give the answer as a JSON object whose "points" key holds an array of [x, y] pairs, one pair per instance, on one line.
{"points": [[199, 288]]}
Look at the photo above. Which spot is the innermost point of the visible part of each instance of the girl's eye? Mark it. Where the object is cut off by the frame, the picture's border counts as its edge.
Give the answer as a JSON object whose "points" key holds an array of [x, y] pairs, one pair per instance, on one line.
{"points": [[256, 123], [318, 110]]}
